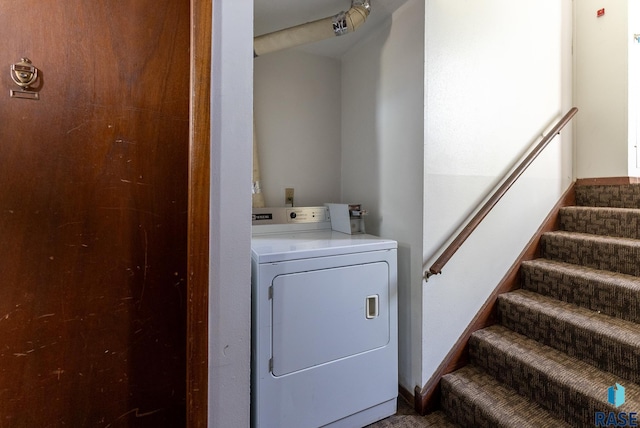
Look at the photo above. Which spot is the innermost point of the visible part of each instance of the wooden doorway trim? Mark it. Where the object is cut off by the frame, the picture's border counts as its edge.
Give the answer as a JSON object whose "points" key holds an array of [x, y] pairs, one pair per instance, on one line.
{"points": [[198, 228]]}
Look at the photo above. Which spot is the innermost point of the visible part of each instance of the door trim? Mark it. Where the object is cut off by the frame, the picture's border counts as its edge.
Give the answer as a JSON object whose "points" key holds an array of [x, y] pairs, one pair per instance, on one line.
{"points": [[198, 222]]}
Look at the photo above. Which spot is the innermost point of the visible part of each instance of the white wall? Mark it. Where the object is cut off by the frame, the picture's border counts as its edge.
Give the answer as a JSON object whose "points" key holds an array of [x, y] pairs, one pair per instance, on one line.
{"points": [[230, 210], [601, 89], [497, 74], [297, 118], [634, 88], [382, 155]]}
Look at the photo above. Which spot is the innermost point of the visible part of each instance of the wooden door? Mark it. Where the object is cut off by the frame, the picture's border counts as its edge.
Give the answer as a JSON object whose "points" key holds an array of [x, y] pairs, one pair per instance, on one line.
{"points": [[93, 214]]}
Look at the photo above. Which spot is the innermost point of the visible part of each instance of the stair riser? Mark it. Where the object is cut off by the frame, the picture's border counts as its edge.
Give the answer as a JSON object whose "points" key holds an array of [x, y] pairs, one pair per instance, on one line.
{"points": [[606, 353], [617, 196], [608, 298], [621, 224], [615, 257], [549, 392]]}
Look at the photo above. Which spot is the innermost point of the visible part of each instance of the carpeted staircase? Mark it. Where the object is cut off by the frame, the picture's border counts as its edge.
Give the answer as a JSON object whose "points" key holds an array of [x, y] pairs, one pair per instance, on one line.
{"points": [[569, 334]]}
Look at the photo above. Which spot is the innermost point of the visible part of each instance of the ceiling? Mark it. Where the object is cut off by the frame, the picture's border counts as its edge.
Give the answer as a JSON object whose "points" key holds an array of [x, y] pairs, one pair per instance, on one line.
{"points": [[272, 15]]}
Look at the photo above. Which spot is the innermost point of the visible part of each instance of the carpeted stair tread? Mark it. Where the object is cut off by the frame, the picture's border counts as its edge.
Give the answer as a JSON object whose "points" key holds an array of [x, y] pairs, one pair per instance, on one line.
{"points": [[611, 293], [618, 222], [609, 195], [598, 252], [566, 386], [476, 399], [603, 341]]}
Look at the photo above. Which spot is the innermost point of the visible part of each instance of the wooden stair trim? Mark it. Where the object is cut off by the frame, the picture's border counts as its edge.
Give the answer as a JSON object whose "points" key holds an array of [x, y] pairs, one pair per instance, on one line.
{"points": [[427, 398], [607, 181]]}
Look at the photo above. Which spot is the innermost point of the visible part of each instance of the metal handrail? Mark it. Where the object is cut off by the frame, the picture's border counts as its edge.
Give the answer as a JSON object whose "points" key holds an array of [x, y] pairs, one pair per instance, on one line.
{"points": [[436, 267]]}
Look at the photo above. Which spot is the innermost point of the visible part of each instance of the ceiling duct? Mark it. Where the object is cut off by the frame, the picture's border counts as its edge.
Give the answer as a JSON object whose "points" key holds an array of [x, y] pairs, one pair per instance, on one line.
{"points": [[337, 25]]}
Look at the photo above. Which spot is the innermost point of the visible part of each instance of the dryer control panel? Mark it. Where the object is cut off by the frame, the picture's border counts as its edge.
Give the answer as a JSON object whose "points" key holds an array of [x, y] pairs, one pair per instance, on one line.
{"points": [[289, 215]]}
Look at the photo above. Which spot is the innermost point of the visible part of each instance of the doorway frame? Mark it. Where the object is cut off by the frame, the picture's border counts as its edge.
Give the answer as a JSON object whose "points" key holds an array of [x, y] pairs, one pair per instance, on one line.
{"points": [[198, 213]]}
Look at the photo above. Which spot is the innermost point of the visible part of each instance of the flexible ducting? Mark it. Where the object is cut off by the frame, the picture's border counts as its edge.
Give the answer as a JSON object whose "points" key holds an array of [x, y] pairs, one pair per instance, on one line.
{"points": [[257, 197], [337, 25]]}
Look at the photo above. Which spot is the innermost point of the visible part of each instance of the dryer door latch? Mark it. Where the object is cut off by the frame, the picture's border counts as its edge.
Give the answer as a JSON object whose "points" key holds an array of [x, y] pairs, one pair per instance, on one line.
{"points": [[371, 306]]}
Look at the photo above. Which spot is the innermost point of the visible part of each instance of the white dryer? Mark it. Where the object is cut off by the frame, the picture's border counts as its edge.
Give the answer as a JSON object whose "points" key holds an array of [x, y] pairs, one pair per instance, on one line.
{"points": [[324, 323]]}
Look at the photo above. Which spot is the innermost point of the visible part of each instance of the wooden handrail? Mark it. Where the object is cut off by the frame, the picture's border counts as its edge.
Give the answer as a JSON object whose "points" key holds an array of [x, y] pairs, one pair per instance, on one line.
{"points": [[437, 266]]}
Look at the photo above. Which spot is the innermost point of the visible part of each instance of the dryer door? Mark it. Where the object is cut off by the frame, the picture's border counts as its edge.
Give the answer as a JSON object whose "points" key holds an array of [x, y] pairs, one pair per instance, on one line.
{"points": [[324, 315]]}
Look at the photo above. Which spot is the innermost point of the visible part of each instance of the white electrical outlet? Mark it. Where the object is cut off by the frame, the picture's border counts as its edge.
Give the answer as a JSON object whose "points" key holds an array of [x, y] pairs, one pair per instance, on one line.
{"points": [[288, 197]]}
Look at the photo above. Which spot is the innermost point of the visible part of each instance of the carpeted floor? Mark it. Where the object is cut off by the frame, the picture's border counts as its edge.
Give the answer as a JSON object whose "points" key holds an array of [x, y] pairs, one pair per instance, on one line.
{"points": [[406, 417]]}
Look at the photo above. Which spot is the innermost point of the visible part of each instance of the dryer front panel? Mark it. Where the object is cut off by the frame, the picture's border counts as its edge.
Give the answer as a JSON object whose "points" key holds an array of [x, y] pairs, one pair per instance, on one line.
{"points": [[324, 315]]}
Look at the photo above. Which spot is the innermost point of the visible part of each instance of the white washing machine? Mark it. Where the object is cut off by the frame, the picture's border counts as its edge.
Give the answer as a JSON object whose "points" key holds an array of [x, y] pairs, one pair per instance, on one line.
{"points": [[324, 323]]}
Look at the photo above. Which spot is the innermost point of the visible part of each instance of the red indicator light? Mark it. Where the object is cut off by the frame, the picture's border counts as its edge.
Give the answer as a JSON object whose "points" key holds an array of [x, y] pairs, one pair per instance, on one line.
{"points": [[600, 12]]}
